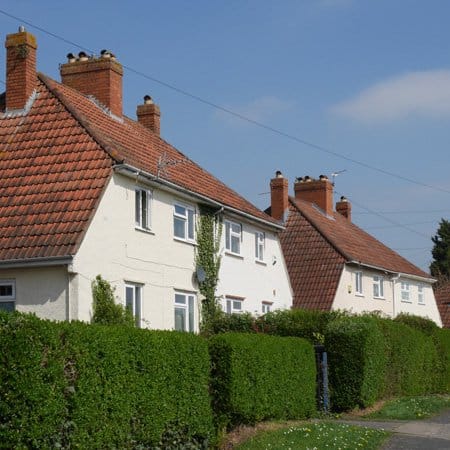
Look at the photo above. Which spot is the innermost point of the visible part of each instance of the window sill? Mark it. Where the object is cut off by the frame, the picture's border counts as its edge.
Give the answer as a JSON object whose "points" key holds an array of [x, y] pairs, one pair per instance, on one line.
{"points": [[185, 241], [379, 298], [421, 304], [261, 262], [406, 301], [359, 295], [234, 255], [144, 230]]}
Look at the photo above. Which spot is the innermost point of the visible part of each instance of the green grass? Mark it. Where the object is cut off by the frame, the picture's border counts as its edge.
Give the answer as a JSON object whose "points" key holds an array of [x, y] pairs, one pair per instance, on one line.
{"points": [[317, 436], [412, 408]]}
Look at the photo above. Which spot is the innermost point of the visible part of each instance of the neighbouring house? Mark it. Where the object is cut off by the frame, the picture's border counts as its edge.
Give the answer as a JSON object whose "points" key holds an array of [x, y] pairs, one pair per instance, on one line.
{"points": [[442, 294], [85, 190], [333, 264]]}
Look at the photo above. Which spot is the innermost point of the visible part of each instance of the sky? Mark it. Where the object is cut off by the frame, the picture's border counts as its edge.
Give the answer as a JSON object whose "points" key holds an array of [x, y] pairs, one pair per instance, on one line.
{"points": [[357, 86]]}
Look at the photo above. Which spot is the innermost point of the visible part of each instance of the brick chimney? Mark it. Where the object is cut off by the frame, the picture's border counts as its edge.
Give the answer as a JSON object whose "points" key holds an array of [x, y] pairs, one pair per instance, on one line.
{"points": [[319, 192], [344, 207], [279, 192], [100, 77], [20, 69], [149, 115]]}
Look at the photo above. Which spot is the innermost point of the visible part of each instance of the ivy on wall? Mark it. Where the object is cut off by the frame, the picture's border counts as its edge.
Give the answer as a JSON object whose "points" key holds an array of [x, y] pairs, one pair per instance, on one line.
{"points": [[207, 260]]}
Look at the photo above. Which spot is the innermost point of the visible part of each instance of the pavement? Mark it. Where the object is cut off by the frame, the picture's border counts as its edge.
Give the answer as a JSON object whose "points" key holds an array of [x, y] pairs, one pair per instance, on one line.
{"points": [[428, 434]]}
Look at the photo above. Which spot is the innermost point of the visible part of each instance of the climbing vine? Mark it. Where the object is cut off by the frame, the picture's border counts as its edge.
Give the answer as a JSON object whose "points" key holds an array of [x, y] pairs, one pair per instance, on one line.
{"points": [[207, 260]]}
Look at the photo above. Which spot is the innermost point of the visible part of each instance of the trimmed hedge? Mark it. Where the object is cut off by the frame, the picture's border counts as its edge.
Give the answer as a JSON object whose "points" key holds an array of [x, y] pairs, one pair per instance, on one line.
{"points": [[257, 377], [91, 386], [357, 361], [441, 339]]}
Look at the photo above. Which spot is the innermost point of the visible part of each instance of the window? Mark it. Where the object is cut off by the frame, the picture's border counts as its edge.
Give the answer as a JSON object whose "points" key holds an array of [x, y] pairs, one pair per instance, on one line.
{"points": [[142, 208], [133, 301], [378, 291], [7, 295], [266, 307], [405, 291], [358, 283], [420, 294], [259, 245], [233, 305], [184, 312], [184, 222], [233, 237]]}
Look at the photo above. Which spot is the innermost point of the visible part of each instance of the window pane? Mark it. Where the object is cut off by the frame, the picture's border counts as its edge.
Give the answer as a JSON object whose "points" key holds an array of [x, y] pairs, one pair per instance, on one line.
{"points": [[228, 306], [179, 228], [7, 306], [137, 207], [190, 224], [6, 290], [375, 290], [180, 319], [144, 211], [256, 246], [381, 287], [235, 244], [191, 313], [237, 305], [180, 299], [180, 210], [129, 291], [227, 236], [137, 306], [236, 228]]}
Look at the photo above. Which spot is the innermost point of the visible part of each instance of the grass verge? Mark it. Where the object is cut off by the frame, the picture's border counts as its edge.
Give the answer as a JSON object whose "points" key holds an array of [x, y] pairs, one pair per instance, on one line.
{"points": [[317, 436], [412, 408]]}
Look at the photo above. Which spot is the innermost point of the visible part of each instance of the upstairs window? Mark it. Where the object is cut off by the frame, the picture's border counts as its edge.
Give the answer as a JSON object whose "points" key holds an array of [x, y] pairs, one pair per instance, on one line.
{"points": [[259, 245], [378, 289], [184, 222], [420, 294], [405, 291], [184, 311], [358, 283], [233, 237], [133, 301], [142, 208], [7, 295]]}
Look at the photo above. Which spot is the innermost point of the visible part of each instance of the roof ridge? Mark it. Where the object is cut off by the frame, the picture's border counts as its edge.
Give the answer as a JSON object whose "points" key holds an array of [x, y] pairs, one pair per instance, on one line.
{"points": [[78, 116], [336, 247]]}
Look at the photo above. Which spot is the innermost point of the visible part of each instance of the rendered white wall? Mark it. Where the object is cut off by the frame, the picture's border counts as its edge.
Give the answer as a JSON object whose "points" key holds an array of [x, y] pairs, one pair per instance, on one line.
{"points": [[392, 304], [113, 248], [42, 291]]}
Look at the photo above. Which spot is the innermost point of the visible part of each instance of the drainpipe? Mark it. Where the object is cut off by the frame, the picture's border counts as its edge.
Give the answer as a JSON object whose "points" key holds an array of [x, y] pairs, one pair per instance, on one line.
{"points": [[394, 279]]}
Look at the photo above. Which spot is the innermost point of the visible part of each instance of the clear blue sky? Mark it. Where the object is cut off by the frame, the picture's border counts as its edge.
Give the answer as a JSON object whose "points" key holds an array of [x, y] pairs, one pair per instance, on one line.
{"points": [[366, 79]]}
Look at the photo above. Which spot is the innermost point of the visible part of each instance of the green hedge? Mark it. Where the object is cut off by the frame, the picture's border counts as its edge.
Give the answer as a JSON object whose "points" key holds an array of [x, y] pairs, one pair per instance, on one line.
{"points": [[441, 338], [90, 386], [256, 377], [356, 361]]}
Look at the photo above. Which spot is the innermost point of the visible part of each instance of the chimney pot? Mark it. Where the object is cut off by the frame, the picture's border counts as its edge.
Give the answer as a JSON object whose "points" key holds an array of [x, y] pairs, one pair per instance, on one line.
{"points": [[344, 207], [278, 174], [149, 115], [319, 192], [21, 29]]}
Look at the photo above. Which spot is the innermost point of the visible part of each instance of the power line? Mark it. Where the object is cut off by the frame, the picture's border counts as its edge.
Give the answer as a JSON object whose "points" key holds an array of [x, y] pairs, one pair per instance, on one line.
{"points": [[235, 114], [406, 212], [396, 226]]}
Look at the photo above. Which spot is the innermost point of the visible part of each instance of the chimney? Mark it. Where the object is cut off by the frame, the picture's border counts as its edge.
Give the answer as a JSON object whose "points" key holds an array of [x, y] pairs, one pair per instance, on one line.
{"points": [[149, 115], [20, 68], [100, 77], [319, 192], [344, 207], [279, 188]]}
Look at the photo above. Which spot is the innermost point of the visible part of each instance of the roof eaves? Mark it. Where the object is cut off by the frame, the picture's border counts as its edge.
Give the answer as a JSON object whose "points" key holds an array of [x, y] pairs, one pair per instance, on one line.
{"points": [[36, 262]]}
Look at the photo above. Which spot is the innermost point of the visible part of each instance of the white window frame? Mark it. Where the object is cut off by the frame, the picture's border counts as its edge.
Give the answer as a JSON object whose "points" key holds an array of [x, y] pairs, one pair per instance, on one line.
{"points": [[260, 246], [9, 298], [142, 219], [359, 283], [231, 236], [405, 291], [188, 219], [266, 307], [233, 305], [135, 305], [421, 294], [378, 285], [184, 302]]}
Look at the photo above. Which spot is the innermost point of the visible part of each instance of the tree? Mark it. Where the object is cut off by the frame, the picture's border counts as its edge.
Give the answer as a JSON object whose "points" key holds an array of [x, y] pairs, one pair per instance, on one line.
{"points": [[106, 310], [440, 267]]}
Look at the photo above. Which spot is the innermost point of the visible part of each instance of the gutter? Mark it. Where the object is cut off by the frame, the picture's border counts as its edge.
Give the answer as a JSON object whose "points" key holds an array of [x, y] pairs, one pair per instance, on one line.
{"points": [[36, 262], [131, 171]]}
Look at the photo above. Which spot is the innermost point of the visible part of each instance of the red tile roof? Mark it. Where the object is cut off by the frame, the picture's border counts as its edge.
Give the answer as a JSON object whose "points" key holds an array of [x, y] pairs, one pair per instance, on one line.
{"points": [[442, 294], [317, 246], [56, 160]]}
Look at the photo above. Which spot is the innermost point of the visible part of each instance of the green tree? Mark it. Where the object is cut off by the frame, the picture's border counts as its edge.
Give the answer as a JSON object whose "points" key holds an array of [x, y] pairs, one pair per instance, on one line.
{"points": [[440, 267], [106, 310]]}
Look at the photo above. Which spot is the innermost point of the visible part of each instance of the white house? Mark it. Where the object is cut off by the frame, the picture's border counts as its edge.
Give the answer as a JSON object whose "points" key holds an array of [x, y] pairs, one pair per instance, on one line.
{"points": [[333, 264], [86, 191]]}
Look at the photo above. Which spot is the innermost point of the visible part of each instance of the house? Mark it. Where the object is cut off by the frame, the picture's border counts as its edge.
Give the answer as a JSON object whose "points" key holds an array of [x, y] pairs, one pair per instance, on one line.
{"points": [[86, 190], [442, 294], [333, 264]]}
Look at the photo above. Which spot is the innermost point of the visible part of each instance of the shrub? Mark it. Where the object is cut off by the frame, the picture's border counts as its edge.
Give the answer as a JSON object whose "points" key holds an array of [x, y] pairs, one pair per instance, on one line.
{"points": [[106, 310], [75, 385], [422, 324], [256, 377], [357, 361], [224, 323], [441, 339]]}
